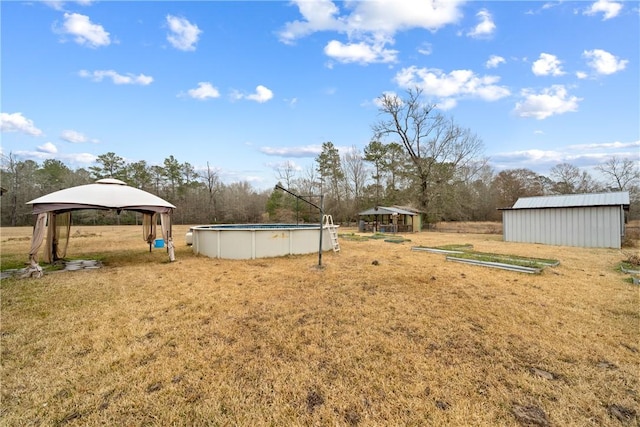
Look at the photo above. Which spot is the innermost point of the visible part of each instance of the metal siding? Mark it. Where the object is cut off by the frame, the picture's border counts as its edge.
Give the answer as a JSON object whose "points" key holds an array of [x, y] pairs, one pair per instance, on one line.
{"points": [[572, 227], [590, 229], [585, 227], [557, 219], [579, 221], [598, 217]]}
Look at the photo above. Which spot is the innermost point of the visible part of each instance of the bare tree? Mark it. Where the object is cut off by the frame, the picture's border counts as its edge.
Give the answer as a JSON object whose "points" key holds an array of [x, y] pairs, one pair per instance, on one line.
{"points": [[18, 176], [568, 179], [622, 174], [511, 184], [286, 173], [308, 185], [430, 139], [212, 183], [355, 172]]}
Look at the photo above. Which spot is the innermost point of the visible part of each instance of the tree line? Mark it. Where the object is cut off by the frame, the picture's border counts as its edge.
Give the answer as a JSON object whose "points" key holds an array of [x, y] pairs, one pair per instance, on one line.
{"points": [[417, 158]]}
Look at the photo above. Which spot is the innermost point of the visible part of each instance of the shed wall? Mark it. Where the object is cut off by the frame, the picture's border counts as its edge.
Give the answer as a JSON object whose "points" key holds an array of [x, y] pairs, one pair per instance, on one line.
{"points": [[597, 226]]}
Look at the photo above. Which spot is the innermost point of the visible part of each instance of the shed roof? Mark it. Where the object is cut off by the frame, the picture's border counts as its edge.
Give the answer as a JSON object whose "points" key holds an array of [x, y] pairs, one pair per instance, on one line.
{"points": [[618, 198], [382, 210]]}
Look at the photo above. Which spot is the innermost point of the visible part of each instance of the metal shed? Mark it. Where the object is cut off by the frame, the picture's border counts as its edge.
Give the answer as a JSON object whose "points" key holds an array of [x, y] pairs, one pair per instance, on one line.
{"points": [[587, 220]]}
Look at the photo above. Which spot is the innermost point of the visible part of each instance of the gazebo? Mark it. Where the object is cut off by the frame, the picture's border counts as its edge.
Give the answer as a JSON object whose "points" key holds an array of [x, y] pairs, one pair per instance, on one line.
{"points": [[389, 219], [54, 215]]}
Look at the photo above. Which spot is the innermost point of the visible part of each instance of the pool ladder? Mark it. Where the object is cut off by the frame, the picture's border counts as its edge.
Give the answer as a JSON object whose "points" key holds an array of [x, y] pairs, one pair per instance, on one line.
{"points": [[333, 232]]}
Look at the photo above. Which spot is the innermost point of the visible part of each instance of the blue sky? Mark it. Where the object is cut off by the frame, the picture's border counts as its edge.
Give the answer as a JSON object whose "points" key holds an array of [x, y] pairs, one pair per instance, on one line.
{"points": [[248, 86]]}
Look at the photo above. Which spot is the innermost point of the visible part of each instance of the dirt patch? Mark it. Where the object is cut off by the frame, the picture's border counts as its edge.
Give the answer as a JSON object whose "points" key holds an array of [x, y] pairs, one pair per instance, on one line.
{"points": [[530, 416]]}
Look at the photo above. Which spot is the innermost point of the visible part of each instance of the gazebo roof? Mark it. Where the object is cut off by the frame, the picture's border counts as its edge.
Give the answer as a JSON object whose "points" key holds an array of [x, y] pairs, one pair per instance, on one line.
{"points": [[105, 193], [382, 210]]}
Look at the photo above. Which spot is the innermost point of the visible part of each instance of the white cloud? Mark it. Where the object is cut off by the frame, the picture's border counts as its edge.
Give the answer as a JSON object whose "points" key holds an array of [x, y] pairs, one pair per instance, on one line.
{"points": [[16, 122], [302, 151], [84, 31], [59, 5], [494, 61], [54, 4], [425, 49], [183, 34], [546, 65], [368, 25], [606, 145], [581, 75], [447, 104], [388, 95], [83, 158], [32, 155], [41, 153], [116, 78], [204, 91], [609, 9], [485, 27], [292, 102], [453, 86], [533, 155], [361, 52], [48, 148], [551, 101], [580, 155], [262, 94], [603, 62], [318, 15], [374, 16], [391, 16], [285, 165], [73, 136]]}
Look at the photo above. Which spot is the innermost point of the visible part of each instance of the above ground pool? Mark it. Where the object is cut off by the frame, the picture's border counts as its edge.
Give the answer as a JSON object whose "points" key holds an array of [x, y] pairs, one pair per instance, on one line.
{"points": [[250, 241]]}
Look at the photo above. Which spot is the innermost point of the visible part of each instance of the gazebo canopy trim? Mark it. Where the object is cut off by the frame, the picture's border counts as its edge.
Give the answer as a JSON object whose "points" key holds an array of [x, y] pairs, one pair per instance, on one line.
{"points": [[106, 193]]}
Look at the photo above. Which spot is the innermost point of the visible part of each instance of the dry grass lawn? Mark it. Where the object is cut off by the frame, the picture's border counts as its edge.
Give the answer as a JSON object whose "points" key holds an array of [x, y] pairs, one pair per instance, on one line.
{"points": [[414, 340]]}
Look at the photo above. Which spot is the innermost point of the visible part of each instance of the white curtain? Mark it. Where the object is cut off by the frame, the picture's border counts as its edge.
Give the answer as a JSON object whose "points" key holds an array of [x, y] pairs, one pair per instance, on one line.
{"points": [[165, 222], [34, 270], [57, 236], [149, 222]]}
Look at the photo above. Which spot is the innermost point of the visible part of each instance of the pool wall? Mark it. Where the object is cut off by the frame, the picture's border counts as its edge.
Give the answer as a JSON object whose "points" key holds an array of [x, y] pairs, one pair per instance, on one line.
{"points": [[250, 241]]}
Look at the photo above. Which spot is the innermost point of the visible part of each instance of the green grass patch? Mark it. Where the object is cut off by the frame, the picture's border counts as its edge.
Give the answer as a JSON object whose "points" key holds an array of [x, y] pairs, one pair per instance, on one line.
{"points": [[627, 267], [544, 262], [381, 236], [463, 247], [391, 238], [508, 259], [465, 251], [397, 240], [12, 263], [353, 237]]}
